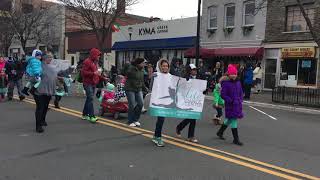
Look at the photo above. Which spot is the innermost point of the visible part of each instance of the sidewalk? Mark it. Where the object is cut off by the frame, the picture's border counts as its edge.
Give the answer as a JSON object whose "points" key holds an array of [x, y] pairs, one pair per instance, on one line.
{"points": [[264, 99]]}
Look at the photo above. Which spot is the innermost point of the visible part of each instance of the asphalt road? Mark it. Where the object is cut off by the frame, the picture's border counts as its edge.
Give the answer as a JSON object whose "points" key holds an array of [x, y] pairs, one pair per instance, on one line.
{"points": [[277, 145]]}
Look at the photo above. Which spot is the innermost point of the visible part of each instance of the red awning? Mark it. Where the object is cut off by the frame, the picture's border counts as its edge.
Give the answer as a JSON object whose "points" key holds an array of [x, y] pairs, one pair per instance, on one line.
{"points": [[204, 53], [247, 52], [256, 52]]}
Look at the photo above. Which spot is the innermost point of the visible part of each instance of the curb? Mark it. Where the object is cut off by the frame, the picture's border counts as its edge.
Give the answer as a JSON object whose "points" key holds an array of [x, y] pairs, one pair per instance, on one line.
{"points": [[278, 106]]}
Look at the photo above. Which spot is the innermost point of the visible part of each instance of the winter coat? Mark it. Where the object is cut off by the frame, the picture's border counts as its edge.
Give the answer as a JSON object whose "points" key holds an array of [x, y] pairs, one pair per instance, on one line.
{"points": [[217, 99], [248, 76], [135, 79], [3, 81], [257, 73], [34, 67], [88, 72], [2, 65], [15, 70], [232, 94]]}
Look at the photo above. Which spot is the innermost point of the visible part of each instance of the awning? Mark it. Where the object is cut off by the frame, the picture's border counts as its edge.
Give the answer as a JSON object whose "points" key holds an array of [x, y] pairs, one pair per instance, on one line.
{"points": [[256, 52], [170, 43], [204, 53]]}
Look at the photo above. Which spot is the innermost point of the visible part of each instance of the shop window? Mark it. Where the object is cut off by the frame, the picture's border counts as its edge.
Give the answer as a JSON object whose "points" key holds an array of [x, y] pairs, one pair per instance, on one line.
{"points": [[212, 17], [230, 11], [295, 19], [248, 13]]}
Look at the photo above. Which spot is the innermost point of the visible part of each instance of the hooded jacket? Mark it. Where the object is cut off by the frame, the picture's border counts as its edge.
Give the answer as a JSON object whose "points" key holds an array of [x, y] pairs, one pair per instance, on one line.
{"points": [[2, 64], [89, 68], [34, 67]]}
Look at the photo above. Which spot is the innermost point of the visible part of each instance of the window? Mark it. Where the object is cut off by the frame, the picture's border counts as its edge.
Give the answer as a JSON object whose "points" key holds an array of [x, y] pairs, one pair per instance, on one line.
{"points": [[212, 17], [295, 19], [248, 13], [230, 11]]}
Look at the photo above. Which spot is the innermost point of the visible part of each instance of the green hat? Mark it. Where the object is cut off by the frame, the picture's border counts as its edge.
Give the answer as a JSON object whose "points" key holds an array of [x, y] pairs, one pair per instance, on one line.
{"points": [[110, 87]]}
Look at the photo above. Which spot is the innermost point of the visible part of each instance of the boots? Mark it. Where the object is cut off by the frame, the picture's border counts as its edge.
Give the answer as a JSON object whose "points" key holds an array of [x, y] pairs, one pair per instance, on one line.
{"points": [[25, 91], [21, 98], [221, 130], [236, 137], [56, 104]]}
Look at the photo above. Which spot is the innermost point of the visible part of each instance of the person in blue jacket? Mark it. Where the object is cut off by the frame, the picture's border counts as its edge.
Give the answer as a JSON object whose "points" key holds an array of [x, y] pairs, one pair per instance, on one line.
{"points": [[248, 81], [33, 72]]}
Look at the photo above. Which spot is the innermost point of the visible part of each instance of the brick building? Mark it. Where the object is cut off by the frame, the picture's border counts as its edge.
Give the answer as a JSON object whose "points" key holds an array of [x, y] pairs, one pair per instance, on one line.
{"points": [[291, 56]]}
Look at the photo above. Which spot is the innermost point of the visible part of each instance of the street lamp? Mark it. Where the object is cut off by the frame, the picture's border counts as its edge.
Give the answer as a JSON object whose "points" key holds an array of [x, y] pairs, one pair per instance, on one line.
{"points": [[198, 34], [130, 30]]}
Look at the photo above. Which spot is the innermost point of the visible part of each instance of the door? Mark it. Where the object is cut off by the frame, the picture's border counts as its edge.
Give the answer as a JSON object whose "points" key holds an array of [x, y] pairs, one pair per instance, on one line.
{"points": [[270, 73]]}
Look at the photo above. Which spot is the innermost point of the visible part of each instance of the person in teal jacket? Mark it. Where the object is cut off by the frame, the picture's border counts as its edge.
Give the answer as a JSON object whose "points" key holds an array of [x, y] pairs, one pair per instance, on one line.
{"points": [[218, 102], [34, 72]]}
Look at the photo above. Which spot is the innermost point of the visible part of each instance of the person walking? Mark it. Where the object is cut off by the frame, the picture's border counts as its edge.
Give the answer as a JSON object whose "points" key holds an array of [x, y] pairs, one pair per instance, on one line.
{"points": [[248, 81], [192, 74], [45, 91], [257, 76], [15, 71], [163, 67], [134, 88], [232, 94], [90, 77]]}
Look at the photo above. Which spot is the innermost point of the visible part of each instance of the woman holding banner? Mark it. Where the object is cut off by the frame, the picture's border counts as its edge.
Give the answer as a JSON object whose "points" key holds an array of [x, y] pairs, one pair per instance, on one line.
{"points": [[192, 74]]}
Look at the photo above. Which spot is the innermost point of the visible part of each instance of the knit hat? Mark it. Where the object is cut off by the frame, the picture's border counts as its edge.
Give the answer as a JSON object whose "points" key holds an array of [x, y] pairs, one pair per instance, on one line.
{"points": [[36, 53], [110, 87], [192, 66], [232, 70]]}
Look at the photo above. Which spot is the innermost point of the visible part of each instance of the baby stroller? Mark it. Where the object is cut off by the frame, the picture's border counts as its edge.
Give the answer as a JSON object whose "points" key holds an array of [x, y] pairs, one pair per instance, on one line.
{"points": [[120, 103]]}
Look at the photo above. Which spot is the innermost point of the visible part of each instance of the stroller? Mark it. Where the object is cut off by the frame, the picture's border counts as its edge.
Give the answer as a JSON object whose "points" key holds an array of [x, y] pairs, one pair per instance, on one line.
{"points": [[120, 103]]}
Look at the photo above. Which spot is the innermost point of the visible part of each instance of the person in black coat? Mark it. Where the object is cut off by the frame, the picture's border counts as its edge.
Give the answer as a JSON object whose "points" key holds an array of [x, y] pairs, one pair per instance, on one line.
{"points": [[15, 70]]}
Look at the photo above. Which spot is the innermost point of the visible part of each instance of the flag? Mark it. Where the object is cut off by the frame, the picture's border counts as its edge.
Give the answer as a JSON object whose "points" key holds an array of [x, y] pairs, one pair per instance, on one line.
{"points": [[115, 27]]}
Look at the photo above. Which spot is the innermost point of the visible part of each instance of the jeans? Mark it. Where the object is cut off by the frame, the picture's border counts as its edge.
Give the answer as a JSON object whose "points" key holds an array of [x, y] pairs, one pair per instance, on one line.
{"points": [[135, 101], [88, 109], [42, 104], [159, 125], [247, 91], [192, 126], [219, 112], [11, 86]]}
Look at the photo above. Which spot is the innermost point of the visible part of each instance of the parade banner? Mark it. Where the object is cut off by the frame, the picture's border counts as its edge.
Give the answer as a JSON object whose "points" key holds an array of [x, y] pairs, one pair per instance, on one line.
{"points": [[176, 97], [60, 64]]}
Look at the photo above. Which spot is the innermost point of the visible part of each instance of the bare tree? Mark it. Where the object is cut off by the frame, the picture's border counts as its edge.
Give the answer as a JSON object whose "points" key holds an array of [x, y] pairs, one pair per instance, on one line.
{"points": [[97, 15], [6, 37], [28, 22]]}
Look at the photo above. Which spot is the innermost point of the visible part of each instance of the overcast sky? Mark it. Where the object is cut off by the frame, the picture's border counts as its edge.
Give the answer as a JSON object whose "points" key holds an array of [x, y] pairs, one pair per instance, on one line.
{"points": [[164, 9]]}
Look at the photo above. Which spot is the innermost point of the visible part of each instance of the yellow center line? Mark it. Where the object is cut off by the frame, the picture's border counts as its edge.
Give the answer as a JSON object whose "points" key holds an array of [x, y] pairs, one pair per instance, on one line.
{"points": [[195, 147]]}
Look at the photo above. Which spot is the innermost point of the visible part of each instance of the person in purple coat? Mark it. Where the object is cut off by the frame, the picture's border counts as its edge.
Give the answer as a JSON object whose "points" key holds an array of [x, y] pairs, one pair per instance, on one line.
{"points": [[232, 94]]}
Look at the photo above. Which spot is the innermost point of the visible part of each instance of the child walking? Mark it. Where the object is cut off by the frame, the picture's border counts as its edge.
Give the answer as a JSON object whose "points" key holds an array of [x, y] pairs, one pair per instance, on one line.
{"points": [[218, 103], [34, 71], [232, 94], [3, 84], [163, 68]]}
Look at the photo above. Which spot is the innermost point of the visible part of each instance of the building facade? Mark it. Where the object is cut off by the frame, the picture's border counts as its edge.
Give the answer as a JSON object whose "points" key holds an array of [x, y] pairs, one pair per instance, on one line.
{"points": [[292, 56], [232, 31], [153, 41]]}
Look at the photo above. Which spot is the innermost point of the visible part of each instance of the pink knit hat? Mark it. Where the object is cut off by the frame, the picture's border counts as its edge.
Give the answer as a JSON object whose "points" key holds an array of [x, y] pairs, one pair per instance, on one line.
{"points": [[232, 70]]}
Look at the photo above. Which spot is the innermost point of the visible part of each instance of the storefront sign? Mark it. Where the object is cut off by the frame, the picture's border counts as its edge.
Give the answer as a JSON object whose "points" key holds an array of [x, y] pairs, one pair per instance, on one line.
{"points": [[298, 52], [153, 30]]}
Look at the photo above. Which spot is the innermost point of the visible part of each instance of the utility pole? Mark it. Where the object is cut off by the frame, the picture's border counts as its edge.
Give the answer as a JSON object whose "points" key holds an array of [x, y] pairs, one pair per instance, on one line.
{"points": [[198, 34]]}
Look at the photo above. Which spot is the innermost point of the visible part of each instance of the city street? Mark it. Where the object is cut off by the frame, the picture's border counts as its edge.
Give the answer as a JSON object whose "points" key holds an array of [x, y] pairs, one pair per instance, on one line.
{"points": [[278, 144]]}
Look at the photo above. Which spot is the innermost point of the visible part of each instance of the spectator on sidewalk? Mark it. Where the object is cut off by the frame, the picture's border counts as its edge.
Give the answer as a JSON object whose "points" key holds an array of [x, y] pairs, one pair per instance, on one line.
{"points": [[3, 83], [248, 81], [176, 67], [257, 77], [15, 71], [90, 77], [134, 90], [233, 96], [192, 74]]}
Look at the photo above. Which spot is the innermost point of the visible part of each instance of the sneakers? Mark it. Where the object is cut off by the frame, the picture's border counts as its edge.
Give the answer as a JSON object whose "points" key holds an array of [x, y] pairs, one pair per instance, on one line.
{"points": [[158, 141], [137, 123], [85, 117], [21, 98], [178, 133], [194, 140], [93, 119], [132, 125]]}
